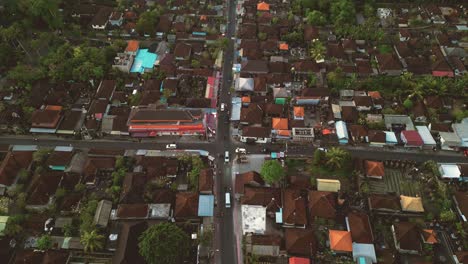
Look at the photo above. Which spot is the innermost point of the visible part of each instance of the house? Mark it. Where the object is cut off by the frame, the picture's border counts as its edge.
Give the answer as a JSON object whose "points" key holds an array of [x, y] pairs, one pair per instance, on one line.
{"points": [[43, 189], [151, 122], [449, 141], [340, 241], [123, 62], [374, 169], [462, 132], [322, 204], [298, 113], [328, 185], [358, 133], [127, 250], [346, 95], [262, 6], [255, 134], [280, 128], [398, 121], [411, 204], [12, 164], [384, 203], [440, 68], [206, 205], [270, 198], [251, 178], [102, 215], [341, 132], [294, 209], [377, 138], [461, 203], [298, 260], [411, 138], [253, 219], [449, 171], [255, 67], [349, 114], [302, 133], [46, 119], [359, 225], [101, 18], [406, 237], [363, 103], [300, 242], [205, 181], [461, 257], [252, 115], [60, 158], [425, 134], [263, 245], [132, 211], [245, 84], [388, 64], [106, 89], [429, 236], [116, 19], [186, 206], [182, 51], [96, 165]]}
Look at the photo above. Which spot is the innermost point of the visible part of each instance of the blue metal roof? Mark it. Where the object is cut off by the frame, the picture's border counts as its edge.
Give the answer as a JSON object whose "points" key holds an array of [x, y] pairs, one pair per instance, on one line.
{"points": [[205, 205]]}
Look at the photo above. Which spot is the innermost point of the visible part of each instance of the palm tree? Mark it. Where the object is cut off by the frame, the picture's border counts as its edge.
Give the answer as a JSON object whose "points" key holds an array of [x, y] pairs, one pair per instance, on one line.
{"points": [[92, 241], [336, 158]]}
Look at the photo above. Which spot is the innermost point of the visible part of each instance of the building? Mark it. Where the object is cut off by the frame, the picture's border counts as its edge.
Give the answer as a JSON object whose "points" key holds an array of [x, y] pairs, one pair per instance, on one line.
{"points": [[406, 238], [374, 169], [411, 138], [340, 241], [149, 122], [46, 119], [253, 219], [302, 134], [255, 134], [123, 62], [426, 136], [342, 132]]}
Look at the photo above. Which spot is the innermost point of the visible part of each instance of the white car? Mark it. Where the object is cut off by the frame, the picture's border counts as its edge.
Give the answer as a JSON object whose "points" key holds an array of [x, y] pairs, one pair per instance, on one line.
{"points": [[223, 106], [226, 156], [241, 150], [171, 146]]}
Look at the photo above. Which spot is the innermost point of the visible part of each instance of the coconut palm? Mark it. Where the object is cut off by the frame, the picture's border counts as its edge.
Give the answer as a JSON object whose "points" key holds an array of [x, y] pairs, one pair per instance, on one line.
{"points": [[92, 241], [336, 158]]}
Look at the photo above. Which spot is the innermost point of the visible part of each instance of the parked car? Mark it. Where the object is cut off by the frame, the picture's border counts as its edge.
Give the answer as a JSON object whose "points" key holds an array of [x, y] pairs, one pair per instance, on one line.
{"points": [[226, 156], [171, 146], [223, 107]]}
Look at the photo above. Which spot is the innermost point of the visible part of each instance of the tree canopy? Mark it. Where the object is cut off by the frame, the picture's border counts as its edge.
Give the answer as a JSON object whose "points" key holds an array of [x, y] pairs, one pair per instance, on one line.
{"points": [[343, 12], [164, 243], [336, 158], [92, 241], [272, 171]]}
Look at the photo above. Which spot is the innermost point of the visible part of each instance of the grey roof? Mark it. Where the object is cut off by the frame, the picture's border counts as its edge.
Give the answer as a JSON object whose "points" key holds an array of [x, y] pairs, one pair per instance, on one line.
{"points": [[462, 131], [398, 119], [102, 215]]}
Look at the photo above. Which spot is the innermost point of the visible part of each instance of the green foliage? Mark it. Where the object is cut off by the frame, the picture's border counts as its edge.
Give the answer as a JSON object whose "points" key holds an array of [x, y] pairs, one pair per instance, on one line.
{"points": [[92, 241], [197, 165], [47, 11], [69, 230], [135, 99], [25, 75], [447, 216], [272, 171], [294, 37], [44, 242], [408, 103], [164, 243], [343, 12], [206, 237], [23, 176], [41, 155], [337, 158], [79, 187], [316, 18], [14, 225], [146, 23], [317, 50], [262, 36], [195, 63], [60, 193], [87, 216], [460, 114]]}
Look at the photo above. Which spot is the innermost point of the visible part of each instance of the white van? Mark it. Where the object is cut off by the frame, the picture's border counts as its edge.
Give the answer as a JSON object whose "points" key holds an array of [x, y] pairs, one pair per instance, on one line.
{"points": [[226, 156], [228, 200]]}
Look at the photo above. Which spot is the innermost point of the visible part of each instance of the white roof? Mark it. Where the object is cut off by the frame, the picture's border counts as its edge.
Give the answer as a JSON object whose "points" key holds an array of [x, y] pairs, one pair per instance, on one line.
{"points": [[390, 137], [236, 108], [449, 170], [364, 250], [398, 119], [449, 138], [253, 219], [462, 131], [341, 130], [425, 135], [245, 84]]}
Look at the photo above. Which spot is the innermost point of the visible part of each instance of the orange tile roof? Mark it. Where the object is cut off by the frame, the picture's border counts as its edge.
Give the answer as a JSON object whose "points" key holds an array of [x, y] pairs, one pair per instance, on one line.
{"points": [[430, 236], [340, 240], [326, 132], [53, 107], [374, 94], [202, 18], [375, 168], [283, 46], [262, 6], [298, 111], [246, 99], [296, 260], [284, 133], [132, 46], [279, 123]]}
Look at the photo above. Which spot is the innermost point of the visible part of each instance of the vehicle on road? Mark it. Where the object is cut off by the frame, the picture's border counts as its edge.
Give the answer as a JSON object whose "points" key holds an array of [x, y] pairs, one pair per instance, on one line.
{"points": [[228, 200], [323, 149], [223, 107], [226, 156], [241, 150], [171, 146]]}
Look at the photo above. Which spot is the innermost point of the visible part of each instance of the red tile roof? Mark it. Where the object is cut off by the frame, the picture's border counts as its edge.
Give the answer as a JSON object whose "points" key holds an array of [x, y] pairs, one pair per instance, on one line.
{"points": [[360, 228], [294, 211], [12, 164], [322, 204], [132, 46], [186, 205], [300, 241], [247, 178], [374, 168], [132, 211], [340, 241]]}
